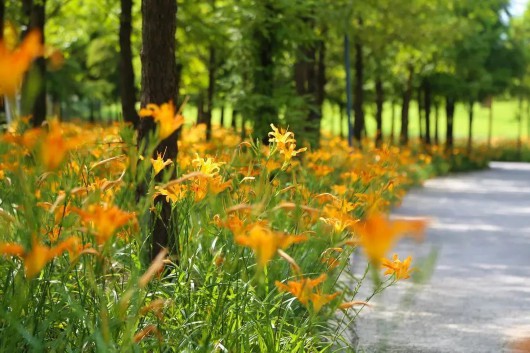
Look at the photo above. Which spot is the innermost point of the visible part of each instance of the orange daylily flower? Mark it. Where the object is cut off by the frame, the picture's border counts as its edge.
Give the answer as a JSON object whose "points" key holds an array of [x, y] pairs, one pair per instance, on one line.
{"points": [[165, 116], [401, 269], [285, 142], [377, 234], [319, 300], [105, 219], [14, 63], [265, 242], [39, 254], [159, 163], [54, 146], [304, 291]]}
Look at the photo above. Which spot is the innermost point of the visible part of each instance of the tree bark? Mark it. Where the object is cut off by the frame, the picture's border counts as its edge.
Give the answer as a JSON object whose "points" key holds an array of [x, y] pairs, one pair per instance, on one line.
{"points": [[210, 93], [358, 111], [520, 128], [407, 95], [233, 123], [436, 122], [37, 19], [264, 111], [421, 135], [470, 131], [393, 123], [379, 102], [222, 119], [427, 108], [2, 15], [450, 113], [128, 92], [159, 85]]}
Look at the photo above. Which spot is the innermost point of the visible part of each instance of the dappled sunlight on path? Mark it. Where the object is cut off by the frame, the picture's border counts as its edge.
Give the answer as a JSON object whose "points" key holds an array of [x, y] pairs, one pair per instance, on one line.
{"points": [[478, 299]]}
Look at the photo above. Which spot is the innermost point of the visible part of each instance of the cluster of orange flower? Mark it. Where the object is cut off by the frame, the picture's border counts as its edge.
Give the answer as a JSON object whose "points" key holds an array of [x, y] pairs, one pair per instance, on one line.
{"points": [[343, 194]]}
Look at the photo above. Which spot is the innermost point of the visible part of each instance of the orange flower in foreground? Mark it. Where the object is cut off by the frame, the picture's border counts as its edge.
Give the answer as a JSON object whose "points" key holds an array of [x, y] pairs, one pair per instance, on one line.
{"points": [[105, 220], [159, 163], [304, 291], [39, 255], [165, 116], [265, 242], [13, 64], [401, 269], [377, 234]]}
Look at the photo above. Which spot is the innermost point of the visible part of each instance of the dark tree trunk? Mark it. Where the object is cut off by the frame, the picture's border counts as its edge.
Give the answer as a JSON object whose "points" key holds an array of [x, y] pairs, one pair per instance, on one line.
{"points": [[393, 123], [200, 109], [316, 84], [264, 111], [127, 87], [320, 92], [358, 124], [222, 119], [520, 128], [233, 123], [427, 108], [407, 95], [490, 121], [436, 122], [37, 19], [470, 131], [159, 85], [449, 113], [421, 135], [2, 15], [310, 79], [342, 118], [210, 94], [379, 101]]}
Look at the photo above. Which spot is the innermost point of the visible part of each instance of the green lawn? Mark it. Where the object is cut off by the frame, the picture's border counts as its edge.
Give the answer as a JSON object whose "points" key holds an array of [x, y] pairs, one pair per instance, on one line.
{"points": [[505, 124]]}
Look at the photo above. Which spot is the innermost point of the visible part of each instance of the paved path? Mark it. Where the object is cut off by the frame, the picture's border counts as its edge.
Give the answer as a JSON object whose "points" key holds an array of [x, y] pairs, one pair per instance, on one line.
{"points": [[478, 298]]}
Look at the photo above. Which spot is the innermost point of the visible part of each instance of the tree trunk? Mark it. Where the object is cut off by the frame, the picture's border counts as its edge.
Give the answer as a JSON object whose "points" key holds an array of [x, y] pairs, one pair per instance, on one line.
{"points": [[159, 85], [222, 119], [450, 113], [379, 101], [420, 115], [393, 122], [264, 111], [436, 122], [520, 129], [341, 121], [127, 87], [2, 15], [407, 95], [37, 19], [310, 79], [427, 107], [470, 132], [320, 92], [233, 123], [210, 94], [490, 123], [358, 123]]}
